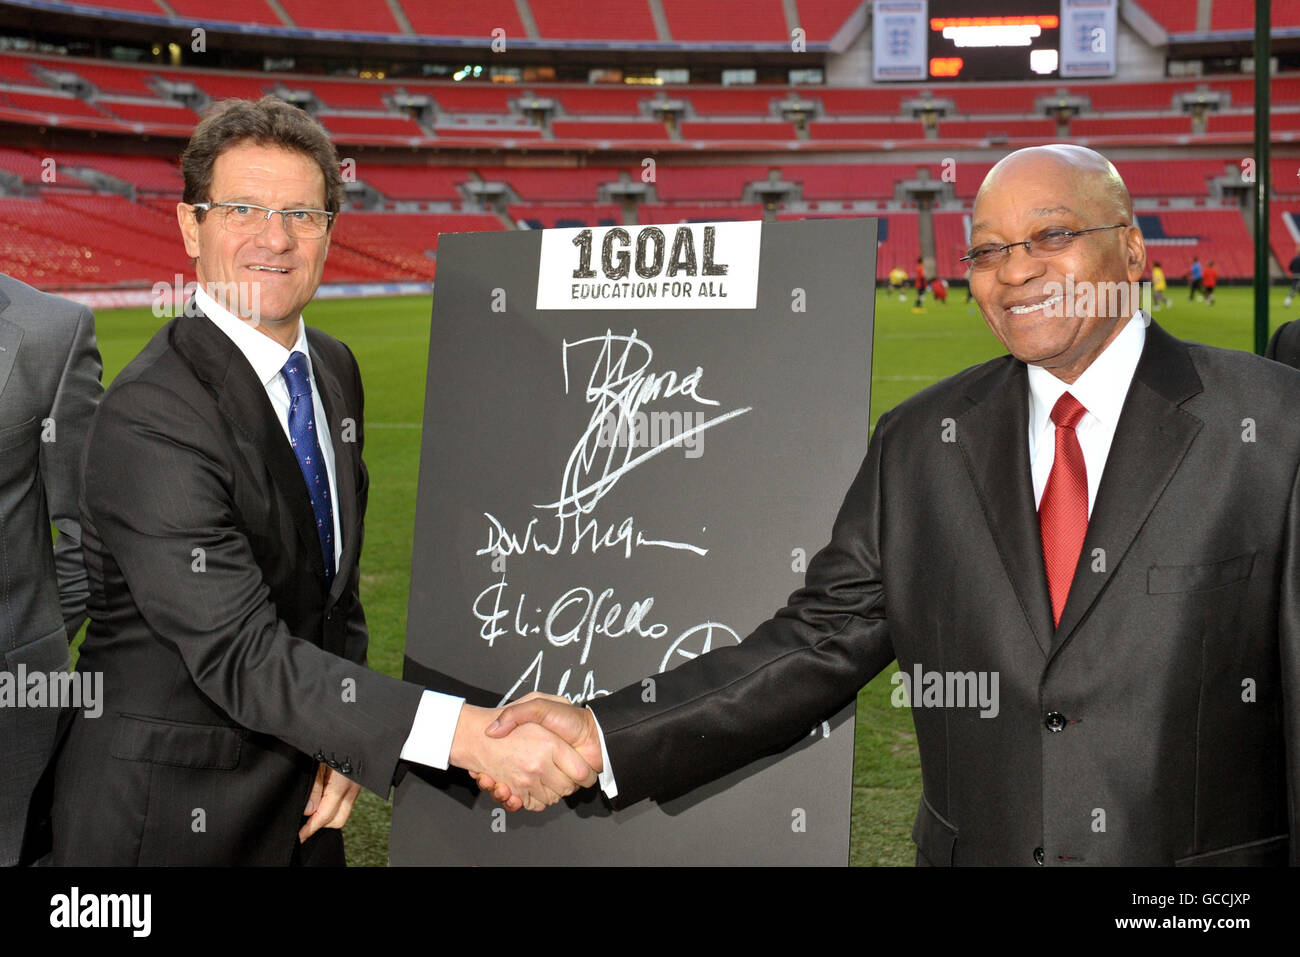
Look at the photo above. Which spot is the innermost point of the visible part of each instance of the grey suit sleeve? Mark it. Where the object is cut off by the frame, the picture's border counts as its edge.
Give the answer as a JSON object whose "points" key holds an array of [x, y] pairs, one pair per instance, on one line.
{"points": [[1289, 655], [733, 705], [78, 393]]}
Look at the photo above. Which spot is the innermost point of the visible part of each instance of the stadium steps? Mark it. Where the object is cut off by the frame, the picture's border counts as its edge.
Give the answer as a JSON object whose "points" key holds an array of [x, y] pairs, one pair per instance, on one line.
{"points": [[399, 17]]}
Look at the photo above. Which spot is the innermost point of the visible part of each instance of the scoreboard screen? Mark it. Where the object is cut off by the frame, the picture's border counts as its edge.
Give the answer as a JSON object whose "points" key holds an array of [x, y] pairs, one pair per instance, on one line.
{"points": [[999, 40]]}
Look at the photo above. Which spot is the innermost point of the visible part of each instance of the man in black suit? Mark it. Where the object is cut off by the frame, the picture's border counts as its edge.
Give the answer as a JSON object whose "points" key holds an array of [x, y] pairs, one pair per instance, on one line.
{"points": [[1284, 346], [1108, 519], [49, 385], [223, 500]]}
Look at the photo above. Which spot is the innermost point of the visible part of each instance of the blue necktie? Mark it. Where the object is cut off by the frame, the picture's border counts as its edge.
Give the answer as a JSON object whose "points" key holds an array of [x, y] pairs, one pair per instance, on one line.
{"points": [[302, 436]]}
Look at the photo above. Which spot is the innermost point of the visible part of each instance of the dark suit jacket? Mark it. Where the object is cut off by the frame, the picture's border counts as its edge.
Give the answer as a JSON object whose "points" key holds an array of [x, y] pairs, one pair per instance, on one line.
{"points": [[1158, 724], [229, 670], [1285, 344], [49, 385]]}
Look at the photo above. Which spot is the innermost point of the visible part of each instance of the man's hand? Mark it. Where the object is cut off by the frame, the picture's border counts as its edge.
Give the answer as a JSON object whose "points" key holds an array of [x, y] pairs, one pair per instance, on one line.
{"points": [[535, 766], [330, 802], [575, 725]]}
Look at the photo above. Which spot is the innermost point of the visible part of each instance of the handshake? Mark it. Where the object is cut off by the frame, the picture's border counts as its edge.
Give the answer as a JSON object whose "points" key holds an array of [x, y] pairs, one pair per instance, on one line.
{"points": [[531, 753]]}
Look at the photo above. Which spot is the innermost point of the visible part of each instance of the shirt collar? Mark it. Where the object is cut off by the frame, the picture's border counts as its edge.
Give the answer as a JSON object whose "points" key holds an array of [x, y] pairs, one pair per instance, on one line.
{"points": [[1101, 388], [264, 354]]}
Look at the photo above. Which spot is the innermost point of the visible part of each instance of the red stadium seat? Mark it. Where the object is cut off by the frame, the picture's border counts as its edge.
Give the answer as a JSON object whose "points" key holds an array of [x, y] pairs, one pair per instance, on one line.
{"points": [[353, 127], [768, 130], [851, 130], [1176, 16], [671, 213], [477, 19], [734, 21], [345, 16], [822, 19], [550, 217], [593, 20], [232, 11], [609, 130], [413, 182], [1129, 125]]}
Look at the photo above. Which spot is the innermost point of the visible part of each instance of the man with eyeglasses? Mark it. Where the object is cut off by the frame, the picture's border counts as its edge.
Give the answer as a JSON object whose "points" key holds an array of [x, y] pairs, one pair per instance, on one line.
{"points": [[1107, 519], [223, 500]]}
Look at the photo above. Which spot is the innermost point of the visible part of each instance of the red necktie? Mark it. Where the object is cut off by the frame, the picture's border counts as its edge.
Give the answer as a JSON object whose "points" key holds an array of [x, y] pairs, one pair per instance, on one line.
{"points": [[1063, 511]]}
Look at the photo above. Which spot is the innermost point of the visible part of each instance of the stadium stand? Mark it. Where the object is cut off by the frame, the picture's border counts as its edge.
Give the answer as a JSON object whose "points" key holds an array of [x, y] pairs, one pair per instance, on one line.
{"points": [[822, 19], [474, 99], [1130, 125], [414, 182], [726, 102], [1176, 16], [672, 213], [770, 130], [706, 183], [50, 104], [598, 101], [154, 114], [147, 174], [997, 128], [132, 6], [477, 19], [32, 170], [349, 126], [690, 21], [593, 20], [609, 130], [347, 16], [231, 11], [543, 148], [852, 130], [548, 217], [1167, 178], [344, 94]]}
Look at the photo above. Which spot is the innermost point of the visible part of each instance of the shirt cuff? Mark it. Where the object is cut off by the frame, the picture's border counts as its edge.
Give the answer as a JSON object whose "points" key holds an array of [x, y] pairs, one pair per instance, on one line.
{"points": [[606, 776], [431, 734]]}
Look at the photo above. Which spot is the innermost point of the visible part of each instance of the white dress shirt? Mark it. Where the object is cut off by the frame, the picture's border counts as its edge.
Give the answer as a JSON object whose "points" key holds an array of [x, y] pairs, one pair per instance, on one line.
{"points": [[1101, 389], [431, 734]]}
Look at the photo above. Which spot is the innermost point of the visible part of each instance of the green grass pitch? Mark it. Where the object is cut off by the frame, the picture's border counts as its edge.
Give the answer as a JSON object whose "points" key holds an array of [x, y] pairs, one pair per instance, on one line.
{"points": [[391, 340]]}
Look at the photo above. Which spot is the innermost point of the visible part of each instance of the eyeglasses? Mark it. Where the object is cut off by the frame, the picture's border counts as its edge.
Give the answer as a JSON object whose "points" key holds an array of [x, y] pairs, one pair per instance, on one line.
{"points": [[250, 219], [1042, 245]]}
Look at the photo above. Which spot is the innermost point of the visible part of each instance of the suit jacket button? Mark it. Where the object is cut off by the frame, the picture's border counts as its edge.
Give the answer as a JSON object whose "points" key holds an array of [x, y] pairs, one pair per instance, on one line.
{"points": [[1038, 856], [319, 756], [1055, 721], [346, 767]]}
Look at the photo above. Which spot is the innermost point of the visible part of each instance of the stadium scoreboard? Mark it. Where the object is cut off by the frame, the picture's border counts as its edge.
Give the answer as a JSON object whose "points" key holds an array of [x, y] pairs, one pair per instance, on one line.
{"points": [[939, 40]]}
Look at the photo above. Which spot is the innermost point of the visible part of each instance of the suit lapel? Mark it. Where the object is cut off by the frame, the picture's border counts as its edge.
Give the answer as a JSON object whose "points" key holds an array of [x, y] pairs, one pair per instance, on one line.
{"points": [[11, 336], [345, 464], [1151, 440], [993, 435], [243, 401]]}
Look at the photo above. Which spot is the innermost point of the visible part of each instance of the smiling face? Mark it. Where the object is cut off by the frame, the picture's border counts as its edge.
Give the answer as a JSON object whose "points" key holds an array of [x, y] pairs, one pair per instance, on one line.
{"points": [[1037, 189], [282, 272]]}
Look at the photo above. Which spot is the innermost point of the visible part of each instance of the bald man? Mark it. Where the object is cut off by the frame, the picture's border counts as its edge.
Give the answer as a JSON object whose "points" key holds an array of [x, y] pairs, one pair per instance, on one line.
{"points": [[1106, 519]]}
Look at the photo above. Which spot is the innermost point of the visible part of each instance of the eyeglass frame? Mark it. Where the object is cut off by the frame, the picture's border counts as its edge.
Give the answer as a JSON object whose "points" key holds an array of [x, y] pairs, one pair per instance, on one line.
{"points": [[1029, 244], [284, 223]]}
